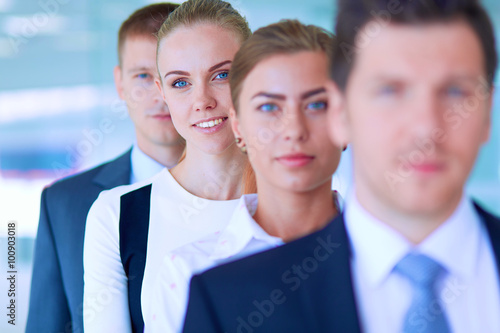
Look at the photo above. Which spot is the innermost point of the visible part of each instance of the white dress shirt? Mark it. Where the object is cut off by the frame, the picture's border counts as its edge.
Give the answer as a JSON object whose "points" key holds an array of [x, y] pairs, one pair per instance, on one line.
{"points": [[177, 217], [241, 237], [469, 291], [142, 166]]}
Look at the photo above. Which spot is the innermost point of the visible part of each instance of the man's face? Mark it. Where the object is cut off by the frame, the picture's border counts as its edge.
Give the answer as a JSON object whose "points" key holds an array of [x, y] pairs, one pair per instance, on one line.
{"points": [[135, 84], [416, 110]]}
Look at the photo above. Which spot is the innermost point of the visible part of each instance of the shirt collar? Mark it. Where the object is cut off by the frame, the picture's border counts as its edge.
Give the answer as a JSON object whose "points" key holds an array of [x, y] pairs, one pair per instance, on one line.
{"points": [[456, 243], [377, 248], [143, 166], [241, 229]]}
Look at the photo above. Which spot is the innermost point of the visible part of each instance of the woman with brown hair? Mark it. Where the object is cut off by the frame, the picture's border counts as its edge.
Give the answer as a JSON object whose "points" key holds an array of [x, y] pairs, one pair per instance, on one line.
{"points": [[278, 88], [196, 47]]}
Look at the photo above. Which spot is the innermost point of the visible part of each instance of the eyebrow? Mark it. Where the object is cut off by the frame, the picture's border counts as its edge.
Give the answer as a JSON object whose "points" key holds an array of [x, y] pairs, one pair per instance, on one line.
{"points": [[398, 79], [219, 65], [305, 95], [468, 78], [140, 69], [211, 69], [176, 73], [310, 93], [269, 95]]}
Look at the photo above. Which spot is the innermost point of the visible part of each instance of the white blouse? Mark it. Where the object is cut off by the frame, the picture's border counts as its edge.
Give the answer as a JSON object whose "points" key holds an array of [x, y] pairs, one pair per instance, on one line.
{"points": [[242, 236], [177, 218]]}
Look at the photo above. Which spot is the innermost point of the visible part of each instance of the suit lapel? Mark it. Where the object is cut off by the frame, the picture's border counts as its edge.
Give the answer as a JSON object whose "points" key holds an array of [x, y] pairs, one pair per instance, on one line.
{"points": [[492, 224], [114, 173], [341, 314], [345, 318]]}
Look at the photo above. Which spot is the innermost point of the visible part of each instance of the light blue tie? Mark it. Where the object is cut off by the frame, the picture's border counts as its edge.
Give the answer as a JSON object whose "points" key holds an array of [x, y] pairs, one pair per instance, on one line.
{"points": [[425, 314]]}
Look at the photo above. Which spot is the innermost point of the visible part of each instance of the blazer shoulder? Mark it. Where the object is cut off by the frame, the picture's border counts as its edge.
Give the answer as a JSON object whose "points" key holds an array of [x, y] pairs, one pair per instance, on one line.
{"points": [[85, 178]]}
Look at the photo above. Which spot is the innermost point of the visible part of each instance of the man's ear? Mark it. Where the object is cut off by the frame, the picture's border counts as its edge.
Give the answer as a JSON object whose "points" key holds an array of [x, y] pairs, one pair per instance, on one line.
{"points": [[117, 74], [338, 125], [235, 123], [160, 89]]}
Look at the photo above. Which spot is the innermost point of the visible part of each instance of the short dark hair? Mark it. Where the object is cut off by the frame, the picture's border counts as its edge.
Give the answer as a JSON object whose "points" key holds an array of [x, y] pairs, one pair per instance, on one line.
{"points": [[353, 15], [145, 21]]}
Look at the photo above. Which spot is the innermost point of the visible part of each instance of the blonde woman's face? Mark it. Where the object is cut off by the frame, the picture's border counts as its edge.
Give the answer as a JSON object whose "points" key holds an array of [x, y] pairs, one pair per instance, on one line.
{"points": [[194, 63], [282, 120]]}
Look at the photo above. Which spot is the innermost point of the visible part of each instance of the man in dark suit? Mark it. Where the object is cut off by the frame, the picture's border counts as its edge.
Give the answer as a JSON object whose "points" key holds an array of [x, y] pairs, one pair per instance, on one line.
{"points": [[412, 93], [56, 300]]}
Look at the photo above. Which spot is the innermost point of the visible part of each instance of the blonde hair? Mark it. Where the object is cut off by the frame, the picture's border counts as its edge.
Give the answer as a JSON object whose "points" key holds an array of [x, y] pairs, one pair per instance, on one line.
{"points": [[284, 37], [194, 12]]}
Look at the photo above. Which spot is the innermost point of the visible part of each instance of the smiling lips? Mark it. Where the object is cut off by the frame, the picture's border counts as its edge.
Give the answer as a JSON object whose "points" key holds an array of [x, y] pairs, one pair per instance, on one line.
{"points": [[295, 160], [211, 123]]}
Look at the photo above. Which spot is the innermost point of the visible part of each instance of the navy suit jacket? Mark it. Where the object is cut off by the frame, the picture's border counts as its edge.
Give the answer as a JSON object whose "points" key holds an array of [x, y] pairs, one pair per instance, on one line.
{"points": [[302, 286], [56, 299]]}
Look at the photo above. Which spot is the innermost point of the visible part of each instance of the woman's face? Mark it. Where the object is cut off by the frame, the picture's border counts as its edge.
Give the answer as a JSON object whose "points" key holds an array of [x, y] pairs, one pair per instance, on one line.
{"points": [[282, 120], [194, 62]]}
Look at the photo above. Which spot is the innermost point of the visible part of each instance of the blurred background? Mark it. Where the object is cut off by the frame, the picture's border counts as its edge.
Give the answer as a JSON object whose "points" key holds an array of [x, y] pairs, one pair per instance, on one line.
{"points": [[56, 87]]}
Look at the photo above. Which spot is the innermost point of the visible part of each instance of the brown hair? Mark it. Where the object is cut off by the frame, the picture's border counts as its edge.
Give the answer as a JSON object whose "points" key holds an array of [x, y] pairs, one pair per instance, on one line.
{"points": [[353, 15], [284, 37], [143, 22], [194, 12]]}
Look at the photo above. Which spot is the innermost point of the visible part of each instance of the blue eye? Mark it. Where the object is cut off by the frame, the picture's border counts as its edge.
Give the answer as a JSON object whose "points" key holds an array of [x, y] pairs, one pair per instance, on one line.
{"points": [[222, 75], [179, 84], [268, 107], [143, 76], [455, 92], [317, 106], [388, 90]]}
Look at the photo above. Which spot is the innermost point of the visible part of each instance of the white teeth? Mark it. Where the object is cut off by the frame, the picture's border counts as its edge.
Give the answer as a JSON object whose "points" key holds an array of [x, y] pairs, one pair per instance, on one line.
{"points": [[211, 123]]}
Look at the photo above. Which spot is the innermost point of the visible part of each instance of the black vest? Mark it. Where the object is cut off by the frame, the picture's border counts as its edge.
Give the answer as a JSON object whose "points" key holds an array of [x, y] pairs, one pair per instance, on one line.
{"points": [[134, 227]]}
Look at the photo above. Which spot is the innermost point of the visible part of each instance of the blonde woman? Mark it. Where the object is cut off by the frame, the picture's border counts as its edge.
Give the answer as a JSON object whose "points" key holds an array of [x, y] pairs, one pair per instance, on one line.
{"points": [[278, 87], [130, 229]]}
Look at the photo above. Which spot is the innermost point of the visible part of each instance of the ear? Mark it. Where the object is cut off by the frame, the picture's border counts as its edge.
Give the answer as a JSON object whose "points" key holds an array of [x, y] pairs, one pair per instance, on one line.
{"points": [[338, 124], [489, 105], [235, 123], [160, 88], [117, 73]]}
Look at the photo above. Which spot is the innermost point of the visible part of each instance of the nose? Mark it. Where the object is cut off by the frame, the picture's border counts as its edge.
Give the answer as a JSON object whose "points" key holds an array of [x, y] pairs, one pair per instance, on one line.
{"points": [[295, 126], [156, 96], [427, 115], [203, 98]]}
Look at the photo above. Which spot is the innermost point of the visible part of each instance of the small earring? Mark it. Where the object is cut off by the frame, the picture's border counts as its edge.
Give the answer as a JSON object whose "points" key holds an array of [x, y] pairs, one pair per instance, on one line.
{"points": [[243, 148], [345, 147]]}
